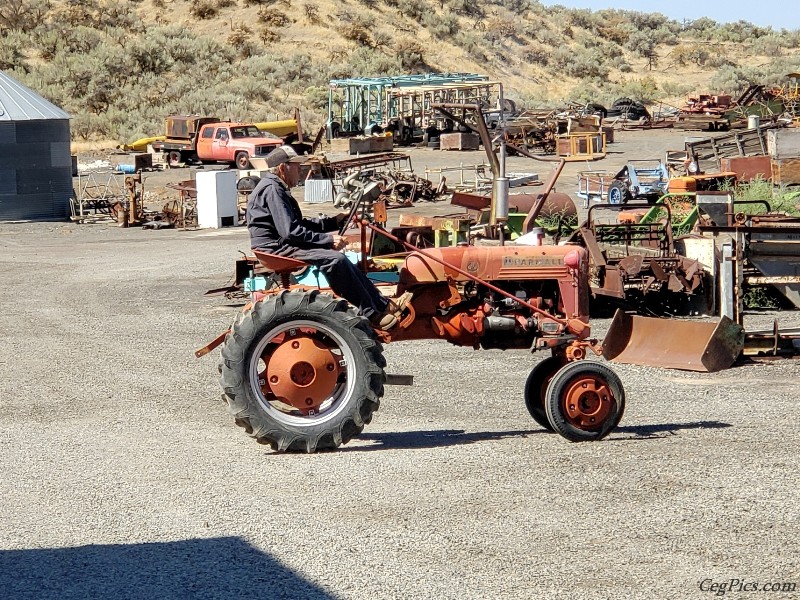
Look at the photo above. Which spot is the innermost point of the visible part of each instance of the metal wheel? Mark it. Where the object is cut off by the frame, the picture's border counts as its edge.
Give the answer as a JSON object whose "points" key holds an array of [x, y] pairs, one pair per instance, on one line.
{"points": [[301, 371], [585, 401]]}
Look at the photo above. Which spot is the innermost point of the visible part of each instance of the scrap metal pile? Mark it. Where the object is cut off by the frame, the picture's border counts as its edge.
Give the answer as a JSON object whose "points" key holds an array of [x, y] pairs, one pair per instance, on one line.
{"points": [[395, 188], [721, 112], [634, 259]]}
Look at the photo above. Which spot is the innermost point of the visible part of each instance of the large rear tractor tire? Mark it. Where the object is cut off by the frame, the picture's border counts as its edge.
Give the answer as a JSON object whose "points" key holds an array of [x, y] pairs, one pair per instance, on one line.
{"points": [[536, 387], [585, 401], [302, 371]]}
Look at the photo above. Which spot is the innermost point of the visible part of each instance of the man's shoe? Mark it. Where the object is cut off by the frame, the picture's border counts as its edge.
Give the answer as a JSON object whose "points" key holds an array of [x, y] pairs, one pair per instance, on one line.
{"points": [[393, 313], [398, 305], [385, 321]]}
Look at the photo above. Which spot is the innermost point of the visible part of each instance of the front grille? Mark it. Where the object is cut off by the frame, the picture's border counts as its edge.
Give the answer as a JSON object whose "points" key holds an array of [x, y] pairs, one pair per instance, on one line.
{"points": [[264, 150]]}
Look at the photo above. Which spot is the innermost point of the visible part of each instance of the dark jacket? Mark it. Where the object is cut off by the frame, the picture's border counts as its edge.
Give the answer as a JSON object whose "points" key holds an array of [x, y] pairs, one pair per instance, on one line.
{"points": [[276, 223]]}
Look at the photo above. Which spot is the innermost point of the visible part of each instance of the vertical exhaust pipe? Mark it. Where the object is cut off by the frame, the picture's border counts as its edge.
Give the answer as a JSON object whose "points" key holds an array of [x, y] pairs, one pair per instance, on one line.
{"points": [[500, 188]]}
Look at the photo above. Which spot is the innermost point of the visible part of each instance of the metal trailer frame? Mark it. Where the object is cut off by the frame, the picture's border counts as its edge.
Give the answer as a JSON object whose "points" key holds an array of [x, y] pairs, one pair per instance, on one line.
{"points": [[366, 99]]}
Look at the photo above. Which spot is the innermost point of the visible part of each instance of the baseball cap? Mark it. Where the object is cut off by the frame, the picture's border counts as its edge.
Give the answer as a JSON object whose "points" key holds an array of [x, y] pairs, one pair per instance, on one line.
{"points": [[283, 154]]}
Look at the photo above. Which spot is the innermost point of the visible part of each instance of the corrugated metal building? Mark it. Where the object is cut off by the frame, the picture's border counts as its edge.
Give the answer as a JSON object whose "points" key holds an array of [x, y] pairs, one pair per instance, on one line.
{"points": [[35, 163]]}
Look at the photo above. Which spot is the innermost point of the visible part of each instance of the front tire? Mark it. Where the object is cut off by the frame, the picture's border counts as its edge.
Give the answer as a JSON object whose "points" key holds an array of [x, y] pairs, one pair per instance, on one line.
{"points": [[242, 160], [585, 401], [536, 388], [302, 371]]}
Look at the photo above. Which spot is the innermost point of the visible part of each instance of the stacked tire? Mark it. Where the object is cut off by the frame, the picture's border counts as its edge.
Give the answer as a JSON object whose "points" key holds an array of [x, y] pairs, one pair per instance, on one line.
{"points": [[629, 109]]}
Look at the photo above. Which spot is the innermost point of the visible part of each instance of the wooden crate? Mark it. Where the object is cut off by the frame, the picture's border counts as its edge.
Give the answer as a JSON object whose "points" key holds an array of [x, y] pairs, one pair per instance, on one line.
{"points": [[381, 143], [360, 145], [369, 144], [786, 171], [783, 143], [340, 145], [459, 141]]}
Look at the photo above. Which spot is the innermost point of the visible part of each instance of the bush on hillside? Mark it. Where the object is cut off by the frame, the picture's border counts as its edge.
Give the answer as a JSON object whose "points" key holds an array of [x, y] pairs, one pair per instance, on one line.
{"points": [[411, 55], [203, 9], [22, 15], [441, 26]]}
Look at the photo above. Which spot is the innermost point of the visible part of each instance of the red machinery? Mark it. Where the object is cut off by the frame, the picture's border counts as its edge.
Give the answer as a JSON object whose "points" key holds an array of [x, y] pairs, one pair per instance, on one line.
{"points": [[301, 370]]}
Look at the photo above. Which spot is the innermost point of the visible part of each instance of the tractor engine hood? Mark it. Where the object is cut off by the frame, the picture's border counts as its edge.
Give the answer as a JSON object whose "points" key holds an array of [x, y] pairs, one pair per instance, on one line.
{"points": [[493, 263]]}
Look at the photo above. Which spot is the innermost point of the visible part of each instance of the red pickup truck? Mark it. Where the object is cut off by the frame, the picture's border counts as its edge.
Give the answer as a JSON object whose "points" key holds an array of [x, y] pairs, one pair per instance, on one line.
{"points": [[207, 139]]}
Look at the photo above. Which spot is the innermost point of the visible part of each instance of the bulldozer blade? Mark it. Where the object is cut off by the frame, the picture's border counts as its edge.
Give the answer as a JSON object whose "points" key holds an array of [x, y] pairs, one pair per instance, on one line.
{"points": [[672, 343]]}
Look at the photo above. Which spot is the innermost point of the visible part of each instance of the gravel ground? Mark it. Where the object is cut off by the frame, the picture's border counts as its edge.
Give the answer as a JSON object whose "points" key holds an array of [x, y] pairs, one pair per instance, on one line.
{"points": [[121, 474]]}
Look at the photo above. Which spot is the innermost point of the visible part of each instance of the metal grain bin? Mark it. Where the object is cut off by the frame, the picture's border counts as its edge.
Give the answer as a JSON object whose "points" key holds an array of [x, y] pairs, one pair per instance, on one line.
{"points": [[35, 161]]}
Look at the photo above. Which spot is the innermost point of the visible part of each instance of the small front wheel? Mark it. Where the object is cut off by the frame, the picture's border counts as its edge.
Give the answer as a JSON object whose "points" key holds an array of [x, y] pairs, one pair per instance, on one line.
{"points": [[536, 388], [585, 401]]}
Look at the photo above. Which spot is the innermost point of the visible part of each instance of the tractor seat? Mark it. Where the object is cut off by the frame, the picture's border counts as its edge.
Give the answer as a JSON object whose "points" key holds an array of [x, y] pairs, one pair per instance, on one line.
{"points": [[280, 265]]}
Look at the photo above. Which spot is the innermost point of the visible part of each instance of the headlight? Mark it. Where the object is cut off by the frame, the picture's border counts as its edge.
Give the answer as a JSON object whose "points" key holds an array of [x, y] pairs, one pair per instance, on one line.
{"points": [[694, 168]]}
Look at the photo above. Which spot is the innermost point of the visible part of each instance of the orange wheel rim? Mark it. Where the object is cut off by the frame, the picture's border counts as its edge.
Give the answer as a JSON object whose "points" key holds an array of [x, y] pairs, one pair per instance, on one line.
{"points": [[303, 372], [588, 402]]}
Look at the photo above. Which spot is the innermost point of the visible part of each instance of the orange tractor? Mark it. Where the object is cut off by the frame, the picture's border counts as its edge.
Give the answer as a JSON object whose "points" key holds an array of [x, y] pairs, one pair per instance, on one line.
{"points": [[301, 370]]}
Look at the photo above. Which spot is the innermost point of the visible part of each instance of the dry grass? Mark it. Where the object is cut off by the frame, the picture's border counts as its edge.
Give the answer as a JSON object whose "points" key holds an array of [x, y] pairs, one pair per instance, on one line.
{"points": [[495, 45]]}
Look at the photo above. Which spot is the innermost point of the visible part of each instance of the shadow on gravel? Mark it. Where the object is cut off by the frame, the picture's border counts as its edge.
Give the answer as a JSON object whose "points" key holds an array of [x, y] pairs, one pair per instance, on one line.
{"points": [[664, 429], [226, 567], [432, 439]]}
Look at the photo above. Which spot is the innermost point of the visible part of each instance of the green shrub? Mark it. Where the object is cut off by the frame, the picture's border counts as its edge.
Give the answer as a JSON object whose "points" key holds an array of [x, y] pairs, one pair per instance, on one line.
{"points": [[414, 9], [644, 90], [642, 43], [579, 64], [732, 79], [411, 54], [22, 15], [440, 25], [311, 12], [472, 45], [203, 9], [273, 18], [317, 96], [770, 45], [356, 32], [676, 90], [367, 63]]}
